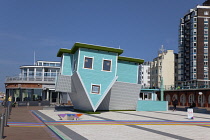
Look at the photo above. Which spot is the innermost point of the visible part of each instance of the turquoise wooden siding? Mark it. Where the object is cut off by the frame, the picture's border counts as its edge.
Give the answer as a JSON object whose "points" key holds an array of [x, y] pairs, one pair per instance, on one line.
{"points": [[75, 59], [144, 105], [127, 72], [67, 64], [96, 76]]}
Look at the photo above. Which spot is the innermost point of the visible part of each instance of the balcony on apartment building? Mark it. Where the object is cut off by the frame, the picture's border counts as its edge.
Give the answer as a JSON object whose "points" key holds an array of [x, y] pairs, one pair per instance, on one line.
{"points": [[46, 78]]}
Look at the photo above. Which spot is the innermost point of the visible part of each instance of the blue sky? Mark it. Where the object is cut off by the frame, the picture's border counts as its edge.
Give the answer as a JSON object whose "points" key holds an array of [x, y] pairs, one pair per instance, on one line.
{"points": [[44, 26]]}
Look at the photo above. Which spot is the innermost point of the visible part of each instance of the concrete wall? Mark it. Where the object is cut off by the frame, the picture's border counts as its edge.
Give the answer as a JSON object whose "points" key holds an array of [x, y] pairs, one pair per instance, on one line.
{"points": [[152, 105]]}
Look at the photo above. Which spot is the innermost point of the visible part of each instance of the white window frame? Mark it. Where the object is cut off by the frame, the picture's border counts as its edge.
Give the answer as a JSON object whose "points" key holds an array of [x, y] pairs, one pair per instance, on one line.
{"points": [[84, 62], [194, 31], [205, 50], [98, 85], [206, 25], [110, 65], [206, 13]]}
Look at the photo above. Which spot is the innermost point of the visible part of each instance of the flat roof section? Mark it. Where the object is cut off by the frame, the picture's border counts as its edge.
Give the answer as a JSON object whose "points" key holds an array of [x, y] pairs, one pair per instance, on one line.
{"points": [[129, 59]]}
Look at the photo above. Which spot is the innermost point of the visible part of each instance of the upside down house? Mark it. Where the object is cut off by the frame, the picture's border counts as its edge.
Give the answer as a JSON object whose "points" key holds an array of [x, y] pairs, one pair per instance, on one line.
{"points": [[98, 78]]}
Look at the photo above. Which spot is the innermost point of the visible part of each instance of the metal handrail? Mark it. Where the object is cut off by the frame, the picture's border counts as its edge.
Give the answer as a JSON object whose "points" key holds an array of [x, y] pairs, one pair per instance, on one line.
{"points": [[45, 78]]}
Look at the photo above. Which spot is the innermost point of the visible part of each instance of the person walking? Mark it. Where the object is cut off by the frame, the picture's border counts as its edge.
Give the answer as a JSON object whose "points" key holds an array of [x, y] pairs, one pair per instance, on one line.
{"points": [[175, 102]]}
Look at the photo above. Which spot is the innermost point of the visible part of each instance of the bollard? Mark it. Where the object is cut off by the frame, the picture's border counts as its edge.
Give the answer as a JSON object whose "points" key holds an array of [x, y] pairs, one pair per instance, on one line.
{"points": [[2, 127], [5, 117], [8, 112], [10, 109]]}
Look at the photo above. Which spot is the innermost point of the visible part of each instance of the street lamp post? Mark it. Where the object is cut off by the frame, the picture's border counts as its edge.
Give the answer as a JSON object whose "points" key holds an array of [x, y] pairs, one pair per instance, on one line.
{"points": [[161, 77], [161, 89]]}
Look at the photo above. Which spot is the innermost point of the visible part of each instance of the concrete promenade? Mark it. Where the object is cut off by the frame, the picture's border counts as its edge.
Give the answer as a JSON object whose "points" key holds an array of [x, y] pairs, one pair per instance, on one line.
{"points": [[23, 125], [120, 125]]}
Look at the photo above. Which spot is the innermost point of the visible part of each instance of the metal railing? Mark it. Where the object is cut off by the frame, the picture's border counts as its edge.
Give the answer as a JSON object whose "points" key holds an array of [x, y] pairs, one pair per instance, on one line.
{"points": [[17, 78], [172, 87]]}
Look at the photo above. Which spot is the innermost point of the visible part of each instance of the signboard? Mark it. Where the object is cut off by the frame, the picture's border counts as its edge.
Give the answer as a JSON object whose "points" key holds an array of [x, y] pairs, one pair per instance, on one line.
{"points": [[190, 113]]}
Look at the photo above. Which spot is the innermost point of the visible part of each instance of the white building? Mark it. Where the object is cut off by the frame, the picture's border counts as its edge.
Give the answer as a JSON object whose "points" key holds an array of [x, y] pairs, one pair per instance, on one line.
{"points": [[144, 74], [35, 83]]}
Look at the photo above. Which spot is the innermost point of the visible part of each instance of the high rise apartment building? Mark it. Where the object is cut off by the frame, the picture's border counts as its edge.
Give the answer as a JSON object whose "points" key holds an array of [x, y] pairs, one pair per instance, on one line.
{"points": [[194, 52]]}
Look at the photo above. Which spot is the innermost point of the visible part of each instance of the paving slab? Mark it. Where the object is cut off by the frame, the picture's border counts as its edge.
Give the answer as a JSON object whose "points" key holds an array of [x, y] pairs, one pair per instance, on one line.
{"points": [[132, 125], [33, 123]]}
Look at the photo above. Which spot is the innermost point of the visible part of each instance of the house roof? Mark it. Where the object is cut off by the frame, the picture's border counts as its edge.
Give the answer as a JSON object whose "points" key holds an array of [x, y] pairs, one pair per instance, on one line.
{"points": [[88, 46], [129, 59], [101, 48]]}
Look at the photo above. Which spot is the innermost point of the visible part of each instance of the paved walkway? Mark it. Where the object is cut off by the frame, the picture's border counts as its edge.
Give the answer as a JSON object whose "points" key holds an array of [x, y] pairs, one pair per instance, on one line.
{"points": [[130, 125], [121, 125], [23, 125]]}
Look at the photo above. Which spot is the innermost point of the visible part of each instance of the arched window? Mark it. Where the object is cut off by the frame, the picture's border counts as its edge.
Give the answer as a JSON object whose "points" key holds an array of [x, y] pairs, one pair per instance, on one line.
{"points": [[191, 98], [168, 98], [201, 98], [183, 99], [175, 96], [209, 99]]}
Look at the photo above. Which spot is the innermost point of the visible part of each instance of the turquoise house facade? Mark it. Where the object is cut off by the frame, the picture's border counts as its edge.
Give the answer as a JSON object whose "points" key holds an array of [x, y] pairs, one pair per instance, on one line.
{"points": [[98, 78]]}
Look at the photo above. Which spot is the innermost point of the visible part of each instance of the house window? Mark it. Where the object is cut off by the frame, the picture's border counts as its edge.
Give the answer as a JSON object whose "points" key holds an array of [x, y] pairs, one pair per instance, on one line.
{"points": [[145, 96], [205, 57], [88, 63], [205, 31], [205, 25], [107, 65], [206, 13], [205, 50], [95, 89], [206, 63], [205, 37], [195, 31], [205, 43]]}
